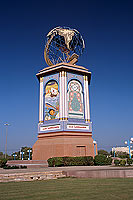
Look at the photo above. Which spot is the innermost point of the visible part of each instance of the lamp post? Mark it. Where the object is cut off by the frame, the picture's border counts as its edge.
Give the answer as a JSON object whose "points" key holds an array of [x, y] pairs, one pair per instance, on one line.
{"points": [[22, 153], [14, 155], [6, 124], [94, 142], [128, 142], [113, 150], [29, 153]]}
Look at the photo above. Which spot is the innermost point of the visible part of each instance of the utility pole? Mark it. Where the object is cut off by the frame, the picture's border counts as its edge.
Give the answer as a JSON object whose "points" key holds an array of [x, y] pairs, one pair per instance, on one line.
{"points": [[6, 124]]}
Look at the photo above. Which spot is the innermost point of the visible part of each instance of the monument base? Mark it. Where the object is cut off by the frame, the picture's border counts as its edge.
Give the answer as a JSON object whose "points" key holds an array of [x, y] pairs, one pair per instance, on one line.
{"points": [[63, 144]]}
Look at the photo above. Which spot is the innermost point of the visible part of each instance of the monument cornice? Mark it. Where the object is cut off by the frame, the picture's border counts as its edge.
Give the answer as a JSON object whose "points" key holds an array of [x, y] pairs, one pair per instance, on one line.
{"points": [[66, 67]]}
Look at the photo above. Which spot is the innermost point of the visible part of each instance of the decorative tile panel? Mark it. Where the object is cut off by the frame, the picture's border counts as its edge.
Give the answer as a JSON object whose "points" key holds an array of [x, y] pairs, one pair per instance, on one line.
{"points": [[75, 100]]}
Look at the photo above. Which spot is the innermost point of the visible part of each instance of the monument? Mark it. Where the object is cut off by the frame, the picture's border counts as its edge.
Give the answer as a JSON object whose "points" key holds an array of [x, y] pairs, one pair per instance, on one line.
{"points": [[64, 127]]}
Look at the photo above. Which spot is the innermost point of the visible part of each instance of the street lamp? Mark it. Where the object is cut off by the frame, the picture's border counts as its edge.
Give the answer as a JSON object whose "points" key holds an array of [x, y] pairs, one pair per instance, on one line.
{"points": [[113, 150], [29, 152], [6, 124], [22, 153], [14, 155], [94, 142], [128, 142]]}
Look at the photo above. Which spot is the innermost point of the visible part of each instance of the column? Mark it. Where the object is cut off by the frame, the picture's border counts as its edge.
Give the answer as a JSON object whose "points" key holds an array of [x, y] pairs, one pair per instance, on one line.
{"points": [[41, 101], [60, 106], [87, 97], [63, 96]]}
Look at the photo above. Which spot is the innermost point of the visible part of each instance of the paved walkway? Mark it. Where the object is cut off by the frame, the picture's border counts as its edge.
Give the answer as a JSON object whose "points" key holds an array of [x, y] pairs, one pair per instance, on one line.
{"points": [[31, 174], [71, 168]]}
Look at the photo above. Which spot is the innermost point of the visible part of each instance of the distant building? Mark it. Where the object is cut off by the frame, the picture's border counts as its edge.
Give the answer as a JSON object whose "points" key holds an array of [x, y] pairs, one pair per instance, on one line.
{"points": [[122, 149]]}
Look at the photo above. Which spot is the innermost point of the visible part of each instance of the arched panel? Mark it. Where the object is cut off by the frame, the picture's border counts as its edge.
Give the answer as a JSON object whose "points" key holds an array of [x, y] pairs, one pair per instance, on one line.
{"points": [[75, 100], [51, 96]]}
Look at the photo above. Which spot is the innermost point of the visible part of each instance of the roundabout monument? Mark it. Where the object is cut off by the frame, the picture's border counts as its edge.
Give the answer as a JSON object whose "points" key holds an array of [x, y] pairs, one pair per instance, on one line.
{"points": [[64, 127]]}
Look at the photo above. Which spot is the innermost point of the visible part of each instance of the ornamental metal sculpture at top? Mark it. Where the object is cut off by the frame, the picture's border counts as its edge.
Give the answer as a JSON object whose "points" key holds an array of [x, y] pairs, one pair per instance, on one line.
{"points": [[63, 45]]}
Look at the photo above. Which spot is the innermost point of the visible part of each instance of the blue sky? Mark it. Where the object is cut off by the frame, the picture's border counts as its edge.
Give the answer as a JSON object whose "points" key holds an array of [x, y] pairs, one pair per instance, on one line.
{"points": [[107, 28]]}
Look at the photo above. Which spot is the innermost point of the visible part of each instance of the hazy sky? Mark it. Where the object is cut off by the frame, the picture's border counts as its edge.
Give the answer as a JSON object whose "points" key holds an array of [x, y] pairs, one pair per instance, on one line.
{"points": [[107, 28]]}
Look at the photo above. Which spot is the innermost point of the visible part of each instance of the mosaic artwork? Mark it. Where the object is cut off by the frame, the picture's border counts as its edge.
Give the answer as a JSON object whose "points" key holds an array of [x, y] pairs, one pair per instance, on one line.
{"points": [[51, 101], [75, 100]]}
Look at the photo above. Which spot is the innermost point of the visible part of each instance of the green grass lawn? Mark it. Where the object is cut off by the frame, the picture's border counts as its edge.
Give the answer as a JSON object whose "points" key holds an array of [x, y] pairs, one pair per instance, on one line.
{"points": [[69, 189]]}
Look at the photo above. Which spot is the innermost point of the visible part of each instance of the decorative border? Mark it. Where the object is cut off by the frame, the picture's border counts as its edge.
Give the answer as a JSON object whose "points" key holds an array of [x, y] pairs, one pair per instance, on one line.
{"points": [[46, 79], [65, 126], [80, 78]]}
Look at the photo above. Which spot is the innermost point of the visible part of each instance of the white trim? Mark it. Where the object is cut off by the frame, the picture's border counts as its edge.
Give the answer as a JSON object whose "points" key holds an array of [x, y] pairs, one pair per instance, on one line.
{"points": [[63, 95], [88, 102], [41, 102], [60, 106], [77, 126], [66, 102], [85, 98], [50, 127]]}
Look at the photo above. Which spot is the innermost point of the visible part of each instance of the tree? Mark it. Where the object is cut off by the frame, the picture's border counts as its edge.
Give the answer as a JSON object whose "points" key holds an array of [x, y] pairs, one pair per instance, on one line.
{"points": [[102, 160], [17, 157], [1, 155], [129, 161], [25, 155], [122, 154], [103, 152]]}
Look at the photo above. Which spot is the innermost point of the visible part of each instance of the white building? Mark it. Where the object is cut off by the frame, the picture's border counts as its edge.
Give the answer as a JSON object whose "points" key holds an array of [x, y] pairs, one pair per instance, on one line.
{"points": [[122, 149]]}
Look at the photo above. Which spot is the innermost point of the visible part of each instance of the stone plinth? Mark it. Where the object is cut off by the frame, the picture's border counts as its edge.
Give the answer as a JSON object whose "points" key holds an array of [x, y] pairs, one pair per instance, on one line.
{"points": [[31, 176], [99, 172], [63, 144]]}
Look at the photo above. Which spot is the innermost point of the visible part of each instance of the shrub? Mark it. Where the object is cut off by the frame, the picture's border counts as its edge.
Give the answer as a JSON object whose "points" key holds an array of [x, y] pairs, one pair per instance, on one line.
{"points": [[116, 162], [50, 162], [70, 161], [3, 162], [129, 161], [55, 162], [78, 161], [89, 161], [102, 160], [23, 166], [122, 162], [11, 167], [73, 161], [108, 161], [99, 159]]}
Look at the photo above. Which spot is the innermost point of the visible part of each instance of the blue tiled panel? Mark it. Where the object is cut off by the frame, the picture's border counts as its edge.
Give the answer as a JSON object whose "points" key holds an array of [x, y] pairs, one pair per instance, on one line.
{"points": [[46, 79], [75, 76], [70, 121], [50, 77], [80, 78]]}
